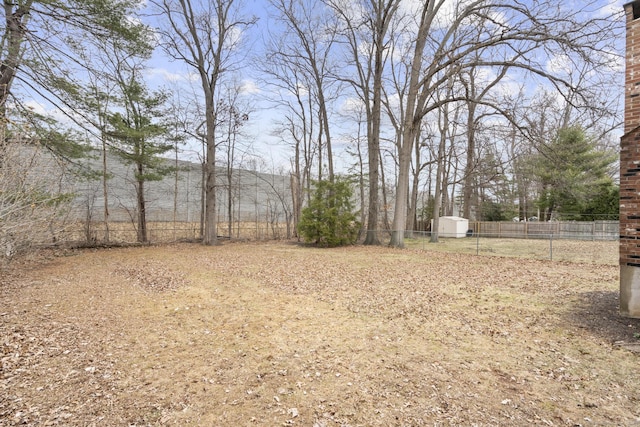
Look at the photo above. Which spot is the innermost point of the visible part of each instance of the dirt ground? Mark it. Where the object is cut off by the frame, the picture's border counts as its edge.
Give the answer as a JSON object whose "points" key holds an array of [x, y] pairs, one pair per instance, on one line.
{"points": [[281, 335]]}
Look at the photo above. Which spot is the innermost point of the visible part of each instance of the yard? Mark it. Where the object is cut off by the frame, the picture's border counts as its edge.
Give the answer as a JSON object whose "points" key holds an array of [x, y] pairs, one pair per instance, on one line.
{"points": [[278, 334]]}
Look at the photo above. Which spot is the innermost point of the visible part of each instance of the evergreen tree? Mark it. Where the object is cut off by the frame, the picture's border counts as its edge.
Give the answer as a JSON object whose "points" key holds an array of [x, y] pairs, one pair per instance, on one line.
{"points": [[137, 138], [329, 219], [570, 170], [605, 203], [42, 50]]}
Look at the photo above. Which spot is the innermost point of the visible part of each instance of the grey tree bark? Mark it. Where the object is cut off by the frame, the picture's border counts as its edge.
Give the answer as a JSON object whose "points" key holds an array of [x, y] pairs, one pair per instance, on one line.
{"points": [[205, 39], [517, 39], [369, 29]]}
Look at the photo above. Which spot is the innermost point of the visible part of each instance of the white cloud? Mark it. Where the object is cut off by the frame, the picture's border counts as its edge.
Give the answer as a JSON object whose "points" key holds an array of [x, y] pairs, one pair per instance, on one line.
{"points": [[249, 87], [447, 10], [192, 77], [302, 89], [166, 75], [351, 105], [611, 7], [615, 61], [234, 38], [36, 107], [508, 86], [47, 110], [560, 64]]}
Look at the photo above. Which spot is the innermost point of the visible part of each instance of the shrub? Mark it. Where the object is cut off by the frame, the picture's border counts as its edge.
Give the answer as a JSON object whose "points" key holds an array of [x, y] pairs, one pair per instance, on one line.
{"points": [[32, 202], [329, 219]]}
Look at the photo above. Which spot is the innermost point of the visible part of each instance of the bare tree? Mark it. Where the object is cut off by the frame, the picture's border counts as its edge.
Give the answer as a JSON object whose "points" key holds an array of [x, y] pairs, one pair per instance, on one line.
{"points": [[475, 93], [365, 27], [97, 99], [356, 148], [447, 124], [276, 188], [296, 129], [30, 202], [306, 46], [515, 34], [178, 124], [299, 119], [417, 167], [232, 115], [206, 36]]}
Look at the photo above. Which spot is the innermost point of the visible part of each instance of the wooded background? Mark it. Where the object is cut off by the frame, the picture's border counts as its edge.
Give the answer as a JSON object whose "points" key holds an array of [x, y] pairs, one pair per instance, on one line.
{"points": [[485, 109]]}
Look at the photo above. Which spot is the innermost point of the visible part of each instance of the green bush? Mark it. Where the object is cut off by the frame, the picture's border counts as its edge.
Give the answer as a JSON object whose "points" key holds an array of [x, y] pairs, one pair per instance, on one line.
{"points": [[329, 219]]}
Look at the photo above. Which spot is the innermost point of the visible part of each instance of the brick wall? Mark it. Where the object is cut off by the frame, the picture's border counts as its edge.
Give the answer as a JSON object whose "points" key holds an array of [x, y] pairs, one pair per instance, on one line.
{"points": [[630, 145], [629, 199], [630, 170], [632, 73]]}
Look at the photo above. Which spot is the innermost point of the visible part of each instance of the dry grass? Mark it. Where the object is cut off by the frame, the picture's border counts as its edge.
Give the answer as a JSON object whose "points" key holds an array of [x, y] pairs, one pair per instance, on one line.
{"points": [[278, 334], [581, 251], [165, 232]]}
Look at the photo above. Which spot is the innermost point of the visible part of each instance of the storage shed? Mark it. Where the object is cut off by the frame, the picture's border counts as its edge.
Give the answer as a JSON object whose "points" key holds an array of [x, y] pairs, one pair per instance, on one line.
{"points": [[452, 226]]}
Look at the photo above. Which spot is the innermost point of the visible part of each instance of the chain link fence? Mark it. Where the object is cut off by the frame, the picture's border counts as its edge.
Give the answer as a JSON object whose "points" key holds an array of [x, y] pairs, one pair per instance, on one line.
{"points": [[577, 248]]}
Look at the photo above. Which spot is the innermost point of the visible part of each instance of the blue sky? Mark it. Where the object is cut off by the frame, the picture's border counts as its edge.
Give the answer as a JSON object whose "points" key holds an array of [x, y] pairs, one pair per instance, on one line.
{"points": [[176, 76]]}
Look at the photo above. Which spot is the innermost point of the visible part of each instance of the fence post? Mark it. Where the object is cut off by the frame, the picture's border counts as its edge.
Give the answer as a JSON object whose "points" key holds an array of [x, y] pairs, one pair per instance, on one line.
{"points": [[477, 243], [551, 246]]}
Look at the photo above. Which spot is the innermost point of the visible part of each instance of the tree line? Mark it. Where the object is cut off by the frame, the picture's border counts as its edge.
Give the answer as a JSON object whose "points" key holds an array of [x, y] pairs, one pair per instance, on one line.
{"points": [[497, 109]]}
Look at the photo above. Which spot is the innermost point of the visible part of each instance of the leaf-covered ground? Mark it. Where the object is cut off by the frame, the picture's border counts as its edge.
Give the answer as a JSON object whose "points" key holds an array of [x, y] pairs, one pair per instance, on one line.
{"points": [[279, 335]]}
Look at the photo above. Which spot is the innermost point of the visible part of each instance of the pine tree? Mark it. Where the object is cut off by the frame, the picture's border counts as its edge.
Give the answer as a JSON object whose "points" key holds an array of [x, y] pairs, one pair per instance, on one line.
{"points": [[570, 170], [137, 137], [329, 219], [42, 49]]}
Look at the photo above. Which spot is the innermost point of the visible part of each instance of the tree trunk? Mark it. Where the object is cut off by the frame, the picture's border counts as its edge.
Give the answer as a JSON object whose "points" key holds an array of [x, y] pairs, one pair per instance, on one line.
{"points": [[296, 188], [385, 204], [203, 192], [374, 192], [402, 192], [211, 214], [413, 198], [410, 129], [469, 172], [105, 192], [142, 213], [437, 203], [175, 194], [229, 199], [361, 185], [373, 142], [324, 116], [14, 33]]}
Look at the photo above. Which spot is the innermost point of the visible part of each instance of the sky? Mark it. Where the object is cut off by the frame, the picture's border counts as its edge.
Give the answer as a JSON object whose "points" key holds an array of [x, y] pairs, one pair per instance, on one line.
{"points": [[177, 77], [261, 122], [258, 130]]}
